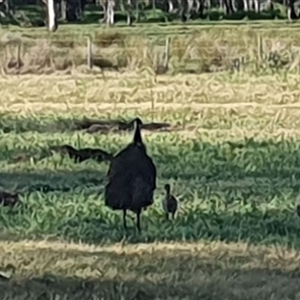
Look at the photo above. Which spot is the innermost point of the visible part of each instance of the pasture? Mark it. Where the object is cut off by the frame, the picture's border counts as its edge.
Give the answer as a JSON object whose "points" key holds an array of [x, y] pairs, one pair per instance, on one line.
{"points": [[232, 157]]}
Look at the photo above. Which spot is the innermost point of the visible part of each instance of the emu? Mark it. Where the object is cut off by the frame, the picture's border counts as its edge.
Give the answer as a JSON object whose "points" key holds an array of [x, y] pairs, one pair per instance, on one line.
{"points": [[131, 178]]}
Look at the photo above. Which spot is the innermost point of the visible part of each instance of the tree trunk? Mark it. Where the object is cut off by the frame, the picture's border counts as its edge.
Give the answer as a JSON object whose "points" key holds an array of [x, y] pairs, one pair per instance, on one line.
{"points": [[197, 7], [103, 6], [128, 8], [110, 21], [257, 6], [52, 19], [171, 6], [190, 4], [63, 9], [228, 7], [179, 4], [250, 5], [246, 5], [183, 9], [201, 9], [9, 6], [208, 4], [271, 5], [232, 4], [292, 15], [222, 4], [137, 11]]}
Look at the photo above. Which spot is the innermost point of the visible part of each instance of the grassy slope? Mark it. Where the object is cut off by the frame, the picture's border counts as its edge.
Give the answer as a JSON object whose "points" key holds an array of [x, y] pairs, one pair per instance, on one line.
{"points": [[233, 161]]}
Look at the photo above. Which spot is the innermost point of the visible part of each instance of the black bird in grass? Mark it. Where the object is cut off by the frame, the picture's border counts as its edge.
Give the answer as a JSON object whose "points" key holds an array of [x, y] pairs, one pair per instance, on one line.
{"points": [[131, 178], [170, 203], [80, 155], [8, 199]]}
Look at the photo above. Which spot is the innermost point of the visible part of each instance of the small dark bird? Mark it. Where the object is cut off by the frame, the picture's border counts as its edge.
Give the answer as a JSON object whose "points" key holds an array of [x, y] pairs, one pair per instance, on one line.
{"points": [[8, 199], [80, 155], [298, 210], [170, 203], [131, 178]]}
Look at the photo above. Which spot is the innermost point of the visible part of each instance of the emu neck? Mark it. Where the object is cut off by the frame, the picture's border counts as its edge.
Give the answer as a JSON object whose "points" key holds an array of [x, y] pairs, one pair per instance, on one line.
{"points": [[137, 138]]}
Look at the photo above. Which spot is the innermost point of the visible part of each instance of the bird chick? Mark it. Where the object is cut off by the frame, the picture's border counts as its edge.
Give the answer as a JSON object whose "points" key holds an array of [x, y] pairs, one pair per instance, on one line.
{"points": [[170, 203]]}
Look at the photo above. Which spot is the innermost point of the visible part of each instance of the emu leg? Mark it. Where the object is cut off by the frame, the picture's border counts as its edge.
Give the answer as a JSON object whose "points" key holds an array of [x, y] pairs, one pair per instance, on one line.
{"points": [[167, 216], [173, 215], [124, 219], [138, 220]]}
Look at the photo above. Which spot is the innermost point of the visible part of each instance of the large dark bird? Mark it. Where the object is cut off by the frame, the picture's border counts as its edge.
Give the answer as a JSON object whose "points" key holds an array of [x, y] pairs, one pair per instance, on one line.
{"points": [[170, 203], [131, 178]]}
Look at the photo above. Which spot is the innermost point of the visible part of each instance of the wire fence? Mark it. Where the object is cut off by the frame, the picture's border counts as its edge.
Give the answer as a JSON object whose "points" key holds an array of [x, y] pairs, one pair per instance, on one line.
{"points": [[194, 55]]}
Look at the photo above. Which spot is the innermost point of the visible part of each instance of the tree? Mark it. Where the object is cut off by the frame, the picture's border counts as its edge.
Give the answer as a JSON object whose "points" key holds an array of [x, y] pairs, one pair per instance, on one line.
{"points": [[52, 23]]}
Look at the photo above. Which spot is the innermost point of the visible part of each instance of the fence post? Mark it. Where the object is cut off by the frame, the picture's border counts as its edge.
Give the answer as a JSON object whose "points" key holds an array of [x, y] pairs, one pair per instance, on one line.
{"points": [[167, 53], [19, 62], [164, 67], [89, 53]]}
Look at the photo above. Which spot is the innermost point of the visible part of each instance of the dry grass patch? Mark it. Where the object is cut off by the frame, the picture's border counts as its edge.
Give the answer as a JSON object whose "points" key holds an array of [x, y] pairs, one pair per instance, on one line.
{"points": [[187, 102], [138, 89], [203, 50]]}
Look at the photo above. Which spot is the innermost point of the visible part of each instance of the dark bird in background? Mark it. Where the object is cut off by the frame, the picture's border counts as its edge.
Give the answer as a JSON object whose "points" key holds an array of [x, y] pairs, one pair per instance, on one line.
{"points": [[131, 178], [80, 155], [170, 203], [105, 126], [8, 199], [298, 210]]}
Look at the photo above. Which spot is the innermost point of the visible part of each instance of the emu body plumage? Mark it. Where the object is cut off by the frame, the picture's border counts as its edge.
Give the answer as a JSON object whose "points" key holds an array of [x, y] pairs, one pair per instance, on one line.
{"points": [[131, 178]]}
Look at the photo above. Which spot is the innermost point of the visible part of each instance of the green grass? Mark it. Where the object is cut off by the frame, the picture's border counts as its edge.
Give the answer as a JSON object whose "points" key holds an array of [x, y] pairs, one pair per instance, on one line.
{"points": [[233, 166], [237, 192]]}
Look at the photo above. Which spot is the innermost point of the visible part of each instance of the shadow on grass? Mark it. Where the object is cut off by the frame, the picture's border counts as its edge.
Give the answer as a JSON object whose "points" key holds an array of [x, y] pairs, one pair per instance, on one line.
{"points": [[92, 125], [49, 182], [231, 182], [210, 288], [78, 217], [143, 276], [274, 165], [254, 226]]}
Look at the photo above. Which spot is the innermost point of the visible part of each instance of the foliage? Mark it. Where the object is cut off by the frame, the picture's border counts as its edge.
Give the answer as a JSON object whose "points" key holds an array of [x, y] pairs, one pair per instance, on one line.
{"points": [[35, 15]]}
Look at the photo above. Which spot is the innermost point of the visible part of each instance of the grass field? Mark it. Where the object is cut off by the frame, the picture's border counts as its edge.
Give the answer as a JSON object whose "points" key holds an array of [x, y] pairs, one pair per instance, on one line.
{"points": [[232, 158], [261, 47]]}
